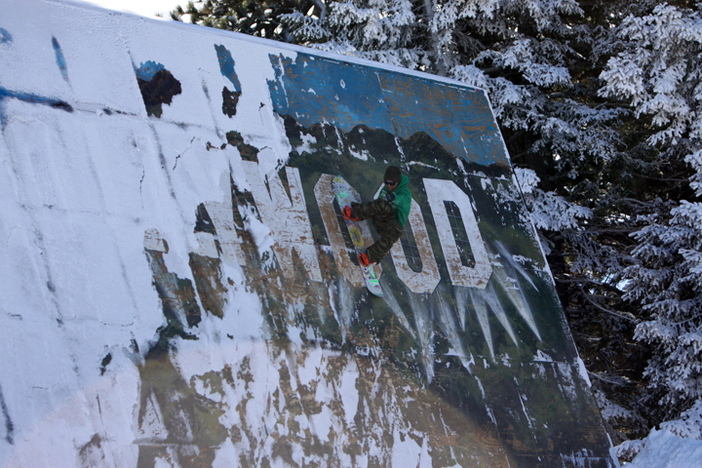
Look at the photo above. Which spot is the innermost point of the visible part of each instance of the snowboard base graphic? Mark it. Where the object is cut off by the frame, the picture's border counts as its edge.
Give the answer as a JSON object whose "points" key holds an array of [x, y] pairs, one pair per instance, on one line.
{"points": [[344, 196]]}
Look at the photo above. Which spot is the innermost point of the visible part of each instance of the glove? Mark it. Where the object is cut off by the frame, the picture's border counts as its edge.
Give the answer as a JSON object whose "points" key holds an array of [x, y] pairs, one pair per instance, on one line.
{"points": [[389, 196]]}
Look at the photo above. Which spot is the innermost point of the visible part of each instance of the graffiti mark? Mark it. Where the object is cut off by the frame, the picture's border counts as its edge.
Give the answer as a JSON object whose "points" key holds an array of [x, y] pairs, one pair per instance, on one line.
{"points": [[32, 99], [5, 36], [60, 59], [9, 425]]}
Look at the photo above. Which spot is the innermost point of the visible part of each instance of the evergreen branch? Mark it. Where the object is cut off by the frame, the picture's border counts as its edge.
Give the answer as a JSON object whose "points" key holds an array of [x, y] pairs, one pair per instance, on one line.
{"points": [[609, 381], [621, 315]]}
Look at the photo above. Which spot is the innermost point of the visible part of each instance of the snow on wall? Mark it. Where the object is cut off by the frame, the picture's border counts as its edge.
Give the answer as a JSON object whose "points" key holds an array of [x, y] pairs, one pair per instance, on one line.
{"points": [[177, 289]]}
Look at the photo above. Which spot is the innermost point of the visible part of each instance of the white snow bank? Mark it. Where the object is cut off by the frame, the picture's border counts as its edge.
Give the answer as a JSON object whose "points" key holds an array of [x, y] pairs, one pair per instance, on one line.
{"points": [[663, 449]]}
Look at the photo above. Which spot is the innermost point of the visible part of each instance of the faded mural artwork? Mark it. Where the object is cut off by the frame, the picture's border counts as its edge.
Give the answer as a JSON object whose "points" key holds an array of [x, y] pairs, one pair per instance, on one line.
{"points": [[468, 299], [467, 359]]}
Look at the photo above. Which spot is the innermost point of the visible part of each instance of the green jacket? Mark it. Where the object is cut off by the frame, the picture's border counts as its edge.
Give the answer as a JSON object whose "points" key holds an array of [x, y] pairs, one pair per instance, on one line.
{"points": [[403, 199]]}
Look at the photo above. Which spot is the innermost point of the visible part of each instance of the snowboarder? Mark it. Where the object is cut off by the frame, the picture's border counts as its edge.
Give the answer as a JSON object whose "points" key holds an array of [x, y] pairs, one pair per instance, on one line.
{"points": [[388, 213]]}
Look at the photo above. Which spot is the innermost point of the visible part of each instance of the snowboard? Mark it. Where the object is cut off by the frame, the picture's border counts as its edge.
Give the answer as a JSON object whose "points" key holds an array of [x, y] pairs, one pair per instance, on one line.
{"points": [[344, 196]]}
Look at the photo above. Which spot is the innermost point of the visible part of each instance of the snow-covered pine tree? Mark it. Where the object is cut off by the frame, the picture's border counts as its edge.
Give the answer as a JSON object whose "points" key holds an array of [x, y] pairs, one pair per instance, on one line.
{"points": [[542, 75], [659, 71], [255, 17], [380, 30]]}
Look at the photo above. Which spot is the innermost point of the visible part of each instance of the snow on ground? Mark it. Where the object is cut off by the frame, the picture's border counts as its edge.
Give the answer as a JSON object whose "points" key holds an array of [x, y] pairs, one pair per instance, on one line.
{"points": [[663, 449]]}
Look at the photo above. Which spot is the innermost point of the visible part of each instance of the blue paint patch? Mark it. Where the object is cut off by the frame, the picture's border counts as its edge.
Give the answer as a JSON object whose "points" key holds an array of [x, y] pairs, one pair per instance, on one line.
{"points": [[60, 59], [148, 69], [313, 90], [5, 36], [226, 66]]}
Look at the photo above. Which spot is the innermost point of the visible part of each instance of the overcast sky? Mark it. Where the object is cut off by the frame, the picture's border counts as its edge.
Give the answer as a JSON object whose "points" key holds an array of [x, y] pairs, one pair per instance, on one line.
{"points": [[141, 7]]}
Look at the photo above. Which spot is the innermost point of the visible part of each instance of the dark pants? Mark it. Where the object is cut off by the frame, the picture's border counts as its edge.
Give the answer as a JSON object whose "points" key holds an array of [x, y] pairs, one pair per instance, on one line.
{"points": [[381, 214]]}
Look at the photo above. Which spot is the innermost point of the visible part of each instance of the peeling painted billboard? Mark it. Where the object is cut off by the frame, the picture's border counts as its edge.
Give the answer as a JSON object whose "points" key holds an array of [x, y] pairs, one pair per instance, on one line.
{"points": [[172, 185]]}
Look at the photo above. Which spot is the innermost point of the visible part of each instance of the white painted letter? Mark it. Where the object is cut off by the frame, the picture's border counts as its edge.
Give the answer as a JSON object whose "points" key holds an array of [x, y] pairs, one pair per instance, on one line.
{"points": [[325, 200], [426, 280], [222, 217], [286, 217], [439, 191]]}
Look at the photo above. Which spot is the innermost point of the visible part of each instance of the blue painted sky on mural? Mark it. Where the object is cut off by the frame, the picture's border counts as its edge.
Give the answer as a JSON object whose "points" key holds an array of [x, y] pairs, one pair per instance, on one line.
{"points": [[313, 90]]}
